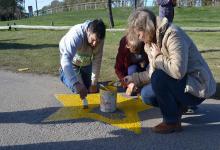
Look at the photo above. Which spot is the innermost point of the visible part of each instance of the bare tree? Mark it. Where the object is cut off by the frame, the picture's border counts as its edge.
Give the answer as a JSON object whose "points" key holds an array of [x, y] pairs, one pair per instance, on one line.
{"points": [[11, 9], [135, 4]]}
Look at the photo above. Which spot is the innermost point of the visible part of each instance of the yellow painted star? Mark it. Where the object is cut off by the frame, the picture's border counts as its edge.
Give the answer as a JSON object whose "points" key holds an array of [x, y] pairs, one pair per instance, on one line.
{"points": [[73, 110]]}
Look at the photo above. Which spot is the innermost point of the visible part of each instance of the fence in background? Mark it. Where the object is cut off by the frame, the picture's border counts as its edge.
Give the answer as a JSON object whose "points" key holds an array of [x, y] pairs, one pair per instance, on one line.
{"points": [[79, 6], [123, 3]]}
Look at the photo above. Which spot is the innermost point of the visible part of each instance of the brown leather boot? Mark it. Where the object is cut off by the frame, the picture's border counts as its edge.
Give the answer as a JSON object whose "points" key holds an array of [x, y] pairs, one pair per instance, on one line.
{"points": [[165, 128]]}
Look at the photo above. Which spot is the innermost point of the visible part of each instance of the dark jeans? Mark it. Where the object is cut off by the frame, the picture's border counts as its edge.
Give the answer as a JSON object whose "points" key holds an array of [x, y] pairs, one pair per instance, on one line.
{"points": [[171, 97], [85, 73], [135, 68]]}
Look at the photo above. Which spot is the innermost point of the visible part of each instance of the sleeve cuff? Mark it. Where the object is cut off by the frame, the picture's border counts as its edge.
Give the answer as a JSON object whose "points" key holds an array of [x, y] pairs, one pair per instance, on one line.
{"points": [[135, 78], [158, 59]]}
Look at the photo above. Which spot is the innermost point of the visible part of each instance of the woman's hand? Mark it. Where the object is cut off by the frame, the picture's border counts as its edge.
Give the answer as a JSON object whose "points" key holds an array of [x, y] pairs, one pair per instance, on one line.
{"points": [[155, 50]]}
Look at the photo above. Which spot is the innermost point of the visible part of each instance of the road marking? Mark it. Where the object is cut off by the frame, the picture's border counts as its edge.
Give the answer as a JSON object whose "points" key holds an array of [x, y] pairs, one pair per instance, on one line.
{"points": [[73, 110]]}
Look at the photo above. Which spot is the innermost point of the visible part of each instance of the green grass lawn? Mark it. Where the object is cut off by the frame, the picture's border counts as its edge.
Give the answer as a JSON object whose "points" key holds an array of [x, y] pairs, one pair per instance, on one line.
{"points": [[75, 17], [196, 17], [38, 49]]}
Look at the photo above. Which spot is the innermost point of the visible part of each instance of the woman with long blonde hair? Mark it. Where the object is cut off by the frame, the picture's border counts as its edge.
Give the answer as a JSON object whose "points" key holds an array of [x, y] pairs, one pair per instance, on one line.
{"points": [[179, 75]]}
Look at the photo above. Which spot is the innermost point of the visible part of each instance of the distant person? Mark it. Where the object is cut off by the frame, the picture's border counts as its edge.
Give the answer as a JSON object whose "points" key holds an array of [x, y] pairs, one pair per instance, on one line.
{"points": [[130, 58], [166, 9], [179, 77], [81, 51]]}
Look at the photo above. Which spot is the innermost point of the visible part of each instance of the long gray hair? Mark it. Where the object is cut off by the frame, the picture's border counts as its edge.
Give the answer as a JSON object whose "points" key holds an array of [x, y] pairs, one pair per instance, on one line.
{"points": [[143, 19]]}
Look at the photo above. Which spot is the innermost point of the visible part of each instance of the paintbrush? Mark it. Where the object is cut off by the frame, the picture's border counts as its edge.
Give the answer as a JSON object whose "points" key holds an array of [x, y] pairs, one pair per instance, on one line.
{"points": [[85, 103]]}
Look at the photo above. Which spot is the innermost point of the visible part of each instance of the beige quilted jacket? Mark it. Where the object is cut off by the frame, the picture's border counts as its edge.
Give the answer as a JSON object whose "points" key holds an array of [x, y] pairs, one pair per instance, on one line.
{"points": [[179, 57]]}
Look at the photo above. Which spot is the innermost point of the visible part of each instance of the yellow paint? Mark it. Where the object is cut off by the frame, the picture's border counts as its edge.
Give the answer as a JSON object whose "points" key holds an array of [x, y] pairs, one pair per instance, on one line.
{"points": [[73, 110]]}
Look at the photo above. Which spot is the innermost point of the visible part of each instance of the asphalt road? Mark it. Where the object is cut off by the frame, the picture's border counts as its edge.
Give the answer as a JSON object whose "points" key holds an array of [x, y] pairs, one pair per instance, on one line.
{"points": [[27, 99]]}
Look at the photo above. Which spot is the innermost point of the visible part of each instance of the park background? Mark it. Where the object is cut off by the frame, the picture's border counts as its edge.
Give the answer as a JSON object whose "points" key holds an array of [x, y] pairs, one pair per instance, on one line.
{"points": [[38, 50]]}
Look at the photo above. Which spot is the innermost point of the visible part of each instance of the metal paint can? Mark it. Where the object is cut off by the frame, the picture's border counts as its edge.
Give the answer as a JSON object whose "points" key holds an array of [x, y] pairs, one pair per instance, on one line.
{"points": [[108, 98]]}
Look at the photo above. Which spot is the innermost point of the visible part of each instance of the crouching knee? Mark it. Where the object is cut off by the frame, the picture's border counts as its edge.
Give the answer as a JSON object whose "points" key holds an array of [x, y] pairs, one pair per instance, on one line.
{"points": [[148, 95], [159, 80]]}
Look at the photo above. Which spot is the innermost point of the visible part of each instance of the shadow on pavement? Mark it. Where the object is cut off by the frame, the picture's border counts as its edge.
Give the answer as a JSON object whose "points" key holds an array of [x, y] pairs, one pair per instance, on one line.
{"points": [[39, 115], [206, 113], [35, 116], [202, 132], [27, 116], [192, 139]]}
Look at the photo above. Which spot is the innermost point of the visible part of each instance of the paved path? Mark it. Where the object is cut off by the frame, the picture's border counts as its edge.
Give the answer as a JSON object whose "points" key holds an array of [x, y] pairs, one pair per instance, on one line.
{"points": [[26, 100]]}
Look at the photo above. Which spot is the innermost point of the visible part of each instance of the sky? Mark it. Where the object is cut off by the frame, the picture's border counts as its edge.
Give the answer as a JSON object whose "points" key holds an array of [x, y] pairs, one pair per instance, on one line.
{"points": [[40, 4]]}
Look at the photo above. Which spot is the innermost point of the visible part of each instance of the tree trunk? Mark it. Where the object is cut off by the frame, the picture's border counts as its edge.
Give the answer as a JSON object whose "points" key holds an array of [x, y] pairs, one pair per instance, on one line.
{"points": [[36, 7], [135, 4], [110, 14]]}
